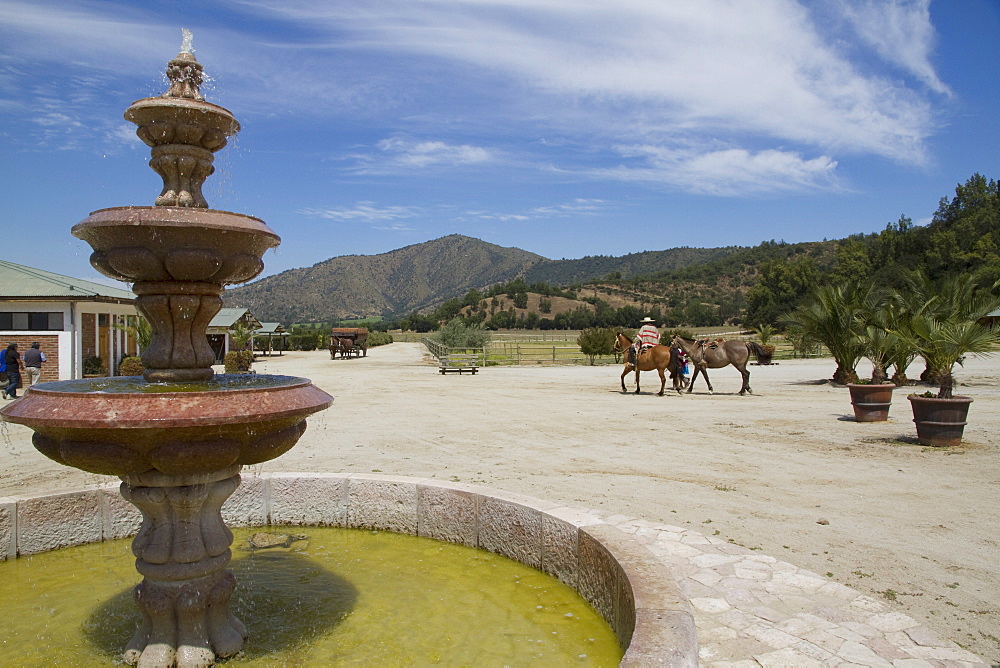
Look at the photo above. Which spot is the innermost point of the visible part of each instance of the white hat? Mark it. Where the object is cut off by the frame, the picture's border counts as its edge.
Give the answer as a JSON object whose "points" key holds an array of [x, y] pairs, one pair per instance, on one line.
{"points": [[647, 319]]}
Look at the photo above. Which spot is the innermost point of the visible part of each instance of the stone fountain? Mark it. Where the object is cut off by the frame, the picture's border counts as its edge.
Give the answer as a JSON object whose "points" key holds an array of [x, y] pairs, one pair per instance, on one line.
{"points": [[178, 438]]}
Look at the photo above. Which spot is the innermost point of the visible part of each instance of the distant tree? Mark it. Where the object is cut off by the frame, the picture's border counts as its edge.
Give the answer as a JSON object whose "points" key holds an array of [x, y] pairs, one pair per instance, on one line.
{"points": [[457, 334], [472, 298], [782, 284], [596, 341], [853, 262], [417, 322]]}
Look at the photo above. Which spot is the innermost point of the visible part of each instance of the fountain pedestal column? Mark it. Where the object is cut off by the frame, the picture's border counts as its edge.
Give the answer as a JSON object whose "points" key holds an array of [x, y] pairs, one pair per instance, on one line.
{"points": [[182, 551], [177, 442]]}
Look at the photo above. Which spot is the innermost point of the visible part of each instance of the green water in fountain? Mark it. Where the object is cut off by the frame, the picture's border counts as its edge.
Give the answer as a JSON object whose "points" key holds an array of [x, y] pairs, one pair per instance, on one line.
{"points": [[137, 385], [343, 597]]}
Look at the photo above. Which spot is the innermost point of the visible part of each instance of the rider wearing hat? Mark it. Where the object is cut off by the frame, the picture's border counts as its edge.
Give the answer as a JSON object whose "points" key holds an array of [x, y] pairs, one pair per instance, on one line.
{"points": [[647, 337]]}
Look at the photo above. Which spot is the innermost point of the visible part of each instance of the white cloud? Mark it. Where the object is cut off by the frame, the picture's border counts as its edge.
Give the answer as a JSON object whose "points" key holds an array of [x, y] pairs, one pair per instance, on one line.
{"points": [[366, 212], [406, 153], [724, 172], [575, 208], [901, 32], [710, 66], [763, 83]]}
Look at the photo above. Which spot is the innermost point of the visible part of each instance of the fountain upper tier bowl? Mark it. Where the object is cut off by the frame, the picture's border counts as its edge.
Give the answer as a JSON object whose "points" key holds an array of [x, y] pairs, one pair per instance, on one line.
{"points": [[178, 120], [166, 243], [126, 427]]}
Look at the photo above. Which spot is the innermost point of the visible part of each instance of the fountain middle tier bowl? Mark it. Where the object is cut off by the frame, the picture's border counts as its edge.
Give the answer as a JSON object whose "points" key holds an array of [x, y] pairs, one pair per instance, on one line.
{"points": [[172, 243], [126, 426]]}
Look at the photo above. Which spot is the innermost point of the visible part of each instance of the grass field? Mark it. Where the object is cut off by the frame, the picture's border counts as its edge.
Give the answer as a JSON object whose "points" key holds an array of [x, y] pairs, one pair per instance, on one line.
{"points": [[560, 347]]}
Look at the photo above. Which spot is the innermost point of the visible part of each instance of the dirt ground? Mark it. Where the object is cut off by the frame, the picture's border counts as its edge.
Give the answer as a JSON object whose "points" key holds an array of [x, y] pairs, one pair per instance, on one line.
{"points": [[786, 471]]}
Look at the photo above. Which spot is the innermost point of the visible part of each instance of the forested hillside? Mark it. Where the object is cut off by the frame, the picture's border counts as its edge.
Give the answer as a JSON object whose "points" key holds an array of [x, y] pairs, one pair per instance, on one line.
{"points": [[569, 272], [963, 237], [424, 285]]}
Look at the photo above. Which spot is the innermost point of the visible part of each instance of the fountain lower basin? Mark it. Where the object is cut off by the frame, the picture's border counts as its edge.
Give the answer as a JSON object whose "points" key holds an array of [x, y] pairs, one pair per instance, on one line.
{"points": [[335, 597], [619, 577]]}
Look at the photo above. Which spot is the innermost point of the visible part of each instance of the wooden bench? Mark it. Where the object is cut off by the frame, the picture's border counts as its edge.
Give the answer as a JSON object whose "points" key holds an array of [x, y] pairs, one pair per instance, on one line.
{"points": [[459, 363]]}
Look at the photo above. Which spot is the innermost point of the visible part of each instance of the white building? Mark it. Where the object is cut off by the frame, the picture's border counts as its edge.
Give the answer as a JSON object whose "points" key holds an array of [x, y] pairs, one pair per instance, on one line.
{"points": [[73, 320]]}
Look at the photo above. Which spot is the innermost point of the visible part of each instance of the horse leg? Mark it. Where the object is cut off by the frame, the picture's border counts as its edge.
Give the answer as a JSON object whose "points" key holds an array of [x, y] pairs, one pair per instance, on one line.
{"points": [[625, 373], [704, 372], [663, 383], [746, 381], [637, 380]]}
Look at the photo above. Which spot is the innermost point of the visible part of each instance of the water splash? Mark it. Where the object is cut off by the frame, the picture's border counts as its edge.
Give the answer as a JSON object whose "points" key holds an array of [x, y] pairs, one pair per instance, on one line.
{"points": [[186, 39]]}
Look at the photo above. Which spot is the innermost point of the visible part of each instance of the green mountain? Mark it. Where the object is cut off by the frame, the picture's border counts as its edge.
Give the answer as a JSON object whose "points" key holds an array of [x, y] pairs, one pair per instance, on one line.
{"points": [[400, 281], [691, 286], [593, 267]]}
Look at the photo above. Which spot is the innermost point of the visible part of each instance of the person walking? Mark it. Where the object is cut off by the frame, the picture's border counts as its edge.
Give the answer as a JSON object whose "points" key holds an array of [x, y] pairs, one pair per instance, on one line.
{"points": [[33, 358], [14, 368]]}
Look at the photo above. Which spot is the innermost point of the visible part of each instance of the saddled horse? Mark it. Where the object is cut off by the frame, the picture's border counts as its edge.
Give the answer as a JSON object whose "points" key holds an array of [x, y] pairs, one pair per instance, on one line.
{"points": [[656, 358], [708, 354]]}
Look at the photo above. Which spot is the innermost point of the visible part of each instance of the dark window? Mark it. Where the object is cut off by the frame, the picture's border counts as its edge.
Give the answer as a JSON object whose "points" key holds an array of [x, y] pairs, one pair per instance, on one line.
{"points": [[37, 322], [102, 319]]}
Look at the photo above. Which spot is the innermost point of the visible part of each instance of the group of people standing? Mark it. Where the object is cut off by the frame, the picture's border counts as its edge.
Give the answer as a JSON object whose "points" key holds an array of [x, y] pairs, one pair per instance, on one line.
{"points": [[30, 364]]}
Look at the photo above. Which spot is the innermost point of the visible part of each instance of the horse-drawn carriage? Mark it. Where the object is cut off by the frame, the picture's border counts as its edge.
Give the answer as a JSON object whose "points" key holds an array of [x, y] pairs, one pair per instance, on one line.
{"points": [[349, 342]]}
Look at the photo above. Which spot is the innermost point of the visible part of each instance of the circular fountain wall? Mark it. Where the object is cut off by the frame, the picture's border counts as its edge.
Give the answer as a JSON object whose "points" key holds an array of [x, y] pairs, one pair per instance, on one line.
{"points": [[618, 576]]}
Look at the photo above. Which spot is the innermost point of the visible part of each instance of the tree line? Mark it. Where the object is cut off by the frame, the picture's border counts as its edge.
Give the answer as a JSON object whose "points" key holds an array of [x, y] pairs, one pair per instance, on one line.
{"points": [[749, 287]]}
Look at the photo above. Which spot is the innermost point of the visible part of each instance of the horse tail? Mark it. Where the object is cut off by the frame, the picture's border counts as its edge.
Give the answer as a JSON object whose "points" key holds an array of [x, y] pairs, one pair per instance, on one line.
{"points": [[763, 356]]}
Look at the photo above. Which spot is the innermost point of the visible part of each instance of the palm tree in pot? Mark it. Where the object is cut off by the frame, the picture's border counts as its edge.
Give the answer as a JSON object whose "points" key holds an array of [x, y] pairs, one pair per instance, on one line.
{"points": [[943, 334], [831, 317], [878, 342]]}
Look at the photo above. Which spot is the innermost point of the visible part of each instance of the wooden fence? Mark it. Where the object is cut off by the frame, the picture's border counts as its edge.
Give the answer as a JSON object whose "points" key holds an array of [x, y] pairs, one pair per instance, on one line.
{"points": [[560, 347]]}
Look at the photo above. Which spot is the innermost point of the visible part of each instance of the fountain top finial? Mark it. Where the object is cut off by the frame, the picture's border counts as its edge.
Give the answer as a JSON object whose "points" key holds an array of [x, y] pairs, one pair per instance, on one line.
{"points": [[185, 72]]}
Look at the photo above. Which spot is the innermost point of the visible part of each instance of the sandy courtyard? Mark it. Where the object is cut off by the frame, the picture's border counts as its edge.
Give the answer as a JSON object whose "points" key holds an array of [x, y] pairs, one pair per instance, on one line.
{"points": [[786, 471]]}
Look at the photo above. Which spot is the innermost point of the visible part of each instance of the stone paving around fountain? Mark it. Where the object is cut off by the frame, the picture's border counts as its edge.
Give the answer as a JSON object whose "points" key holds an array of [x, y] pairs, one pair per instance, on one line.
{"points": [[754, 610]]}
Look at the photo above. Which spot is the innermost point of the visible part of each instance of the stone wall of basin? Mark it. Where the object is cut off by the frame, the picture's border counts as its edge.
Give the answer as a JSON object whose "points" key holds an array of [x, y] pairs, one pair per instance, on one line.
{"points": [[617, 575]]}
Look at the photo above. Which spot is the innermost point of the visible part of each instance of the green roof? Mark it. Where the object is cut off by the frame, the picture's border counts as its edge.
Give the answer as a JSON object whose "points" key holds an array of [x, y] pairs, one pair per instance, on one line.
{"points": [[20, 282], [227, 317], [270, 328]]}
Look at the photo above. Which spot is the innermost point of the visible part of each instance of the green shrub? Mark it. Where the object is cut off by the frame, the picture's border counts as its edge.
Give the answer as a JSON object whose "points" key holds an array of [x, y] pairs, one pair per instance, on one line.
{"points": [[457, 334], [93, 366], [131, 366], [596, 341], [239, 361], [304, 341], [379, 339]]}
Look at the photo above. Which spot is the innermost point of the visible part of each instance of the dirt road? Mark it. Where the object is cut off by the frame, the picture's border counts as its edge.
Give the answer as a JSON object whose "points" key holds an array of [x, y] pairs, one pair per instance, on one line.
{"points": [[787, 471]]}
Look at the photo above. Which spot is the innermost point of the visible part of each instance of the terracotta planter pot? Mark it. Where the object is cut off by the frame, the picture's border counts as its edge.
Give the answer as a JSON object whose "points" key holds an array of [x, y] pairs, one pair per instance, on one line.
{"points": [[940, 422], [871, 402]]}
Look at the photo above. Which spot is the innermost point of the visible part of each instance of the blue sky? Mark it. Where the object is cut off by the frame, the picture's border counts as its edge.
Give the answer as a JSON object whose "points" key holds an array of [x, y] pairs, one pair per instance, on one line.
{"points": [[563, 127]]}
